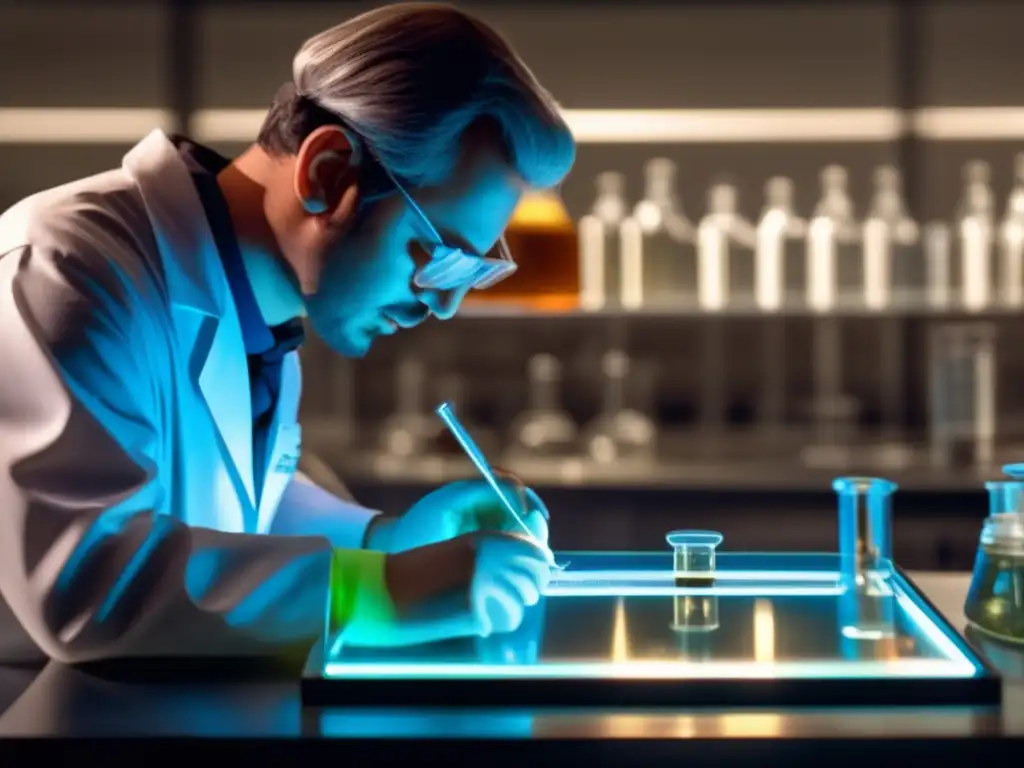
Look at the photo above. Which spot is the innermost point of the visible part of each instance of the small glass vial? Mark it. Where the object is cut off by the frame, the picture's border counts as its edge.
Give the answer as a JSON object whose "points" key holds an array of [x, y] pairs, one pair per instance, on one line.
{"points": [[693, 557]]}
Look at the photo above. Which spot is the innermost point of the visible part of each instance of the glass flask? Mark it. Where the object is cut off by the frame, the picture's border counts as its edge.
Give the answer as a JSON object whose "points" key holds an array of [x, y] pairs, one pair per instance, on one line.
{"points": [[619, 433], [975, 241], [599, 239], [835, 273], [995, 600], [894, 271], [725, 253], [659, 250], [409, 430], [544, 429], [542, 239], [1011, 242], [962, 407], [780, 262]]}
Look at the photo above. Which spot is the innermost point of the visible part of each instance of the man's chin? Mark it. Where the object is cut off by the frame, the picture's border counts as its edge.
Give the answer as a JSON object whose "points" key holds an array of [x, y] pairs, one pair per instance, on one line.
{"points": [[352, 345]]}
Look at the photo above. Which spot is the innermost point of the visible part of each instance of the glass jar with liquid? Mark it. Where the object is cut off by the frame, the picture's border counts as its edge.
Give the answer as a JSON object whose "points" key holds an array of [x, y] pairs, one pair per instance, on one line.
{"points": [[995, 601], [543, 241]]}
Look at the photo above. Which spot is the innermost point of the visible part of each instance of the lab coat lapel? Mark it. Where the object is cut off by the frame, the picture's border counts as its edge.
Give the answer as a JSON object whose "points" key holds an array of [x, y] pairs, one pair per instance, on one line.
{"points": [[205, 319]]}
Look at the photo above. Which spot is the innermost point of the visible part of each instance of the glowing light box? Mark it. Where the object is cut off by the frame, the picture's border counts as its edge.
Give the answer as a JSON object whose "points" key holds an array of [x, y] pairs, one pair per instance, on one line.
{"points": [[631, 629]]}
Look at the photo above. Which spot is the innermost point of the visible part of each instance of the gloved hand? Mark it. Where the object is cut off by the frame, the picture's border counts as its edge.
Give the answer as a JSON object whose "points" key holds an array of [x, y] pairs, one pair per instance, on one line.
{"points": [[475, 584], [461, 507], [510, 574]]}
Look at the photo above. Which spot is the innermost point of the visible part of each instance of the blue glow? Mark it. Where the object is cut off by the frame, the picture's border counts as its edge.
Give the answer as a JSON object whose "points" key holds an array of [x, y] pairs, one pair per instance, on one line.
{"points": [[934, 651], [641, 669]]}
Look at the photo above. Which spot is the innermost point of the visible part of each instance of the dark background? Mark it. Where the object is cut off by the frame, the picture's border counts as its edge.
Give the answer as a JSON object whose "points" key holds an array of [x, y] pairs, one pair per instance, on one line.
{"points": [[905, 56]]}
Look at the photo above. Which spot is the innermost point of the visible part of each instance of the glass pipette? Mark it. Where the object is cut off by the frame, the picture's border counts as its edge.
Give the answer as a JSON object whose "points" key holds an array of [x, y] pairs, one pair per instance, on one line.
{"points": [[446, 412]]}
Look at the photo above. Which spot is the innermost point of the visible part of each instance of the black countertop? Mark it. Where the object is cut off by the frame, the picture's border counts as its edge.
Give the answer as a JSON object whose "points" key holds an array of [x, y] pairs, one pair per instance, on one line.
{"points": [[64, 710]]}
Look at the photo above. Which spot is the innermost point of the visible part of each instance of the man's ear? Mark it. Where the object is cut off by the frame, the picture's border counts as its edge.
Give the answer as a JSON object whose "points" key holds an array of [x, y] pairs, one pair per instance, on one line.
{"points": [[326, 175]]}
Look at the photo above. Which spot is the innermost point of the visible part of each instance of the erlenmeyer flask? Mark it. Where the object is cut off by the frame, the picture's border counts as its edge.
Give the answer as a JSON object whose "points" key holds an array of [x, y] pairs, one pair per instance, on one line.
{"points": [[408, 430], [619, 433], [995, 601], [544, 428]]}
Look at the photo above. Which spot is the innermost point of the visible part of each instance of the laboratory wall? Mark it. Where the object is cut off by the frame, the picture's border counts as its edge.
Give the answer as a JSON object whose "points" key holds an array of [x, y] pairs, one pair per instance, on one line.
{"points": [[783, 89]]}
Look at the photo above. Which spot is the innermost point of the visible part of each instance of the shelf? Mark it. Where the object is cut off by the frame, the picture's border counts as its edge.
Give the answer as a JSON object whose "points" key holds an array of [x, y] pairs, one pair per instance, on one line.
{"points": [[502, 311], [698, 476]]}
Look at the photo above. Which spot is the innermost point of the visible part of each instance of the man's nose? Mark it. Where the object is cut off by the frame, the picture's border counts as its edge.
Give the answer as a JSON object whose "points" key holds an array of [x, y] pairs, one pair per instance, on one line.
{"points": [[443, 304]]}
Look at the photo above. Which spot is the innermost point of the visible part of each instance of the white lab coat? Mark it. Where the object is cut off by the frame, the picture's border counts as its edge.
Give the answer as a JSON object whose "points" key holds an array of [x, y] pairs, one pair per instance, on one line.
{"points": [[128, 518]]}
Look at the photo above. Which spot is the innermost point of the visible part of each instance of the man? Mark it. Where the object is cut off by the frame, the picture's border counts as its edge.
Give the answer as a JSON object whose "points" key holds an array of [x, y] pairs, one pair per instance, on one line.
{"points": [[149, 318]]}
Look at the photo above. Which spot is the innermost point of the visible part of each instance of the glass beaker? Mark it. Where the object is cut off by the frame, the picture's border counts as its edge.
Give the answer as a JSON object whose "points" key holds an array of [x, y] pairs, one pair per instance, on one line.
{"points": [[962, 371], [693, 557], [865, 529], [995, 600]]}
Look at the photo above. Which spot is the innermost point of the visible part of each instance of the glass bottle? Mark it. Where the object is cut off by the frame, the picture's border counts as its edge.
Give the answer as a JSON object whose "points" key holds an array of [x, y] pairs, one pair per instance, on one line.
{"points": [[599, 243], [542, 239], [664, 270], [938, 246], [893, 266], [835, 273], [619, 433], [975, 227], [544, 428], [1011, 241], [995, 600], [780, 264], [725, 253]]}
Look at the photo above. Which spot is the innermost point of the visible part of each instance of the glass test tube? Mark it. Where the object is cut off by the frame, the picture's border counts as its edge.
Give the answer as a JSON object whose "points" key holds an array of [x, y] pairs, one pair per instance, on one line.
{"points": [[865, 528], [962, 368]]}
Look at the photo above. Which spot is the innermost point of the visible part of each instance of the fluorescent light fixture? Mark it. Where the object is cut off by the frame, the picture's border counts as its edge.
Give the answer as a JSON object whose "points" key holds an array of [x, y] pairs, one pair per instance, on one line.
{"points": [[75, 125], [651, 126], [99, 125]]}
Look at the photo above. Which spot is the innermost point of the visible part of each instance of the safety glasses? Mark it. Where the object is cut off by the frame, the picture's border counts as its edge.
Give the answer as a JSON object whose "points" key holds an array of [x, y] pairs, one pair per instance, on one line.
{"points": [[450, 268]]}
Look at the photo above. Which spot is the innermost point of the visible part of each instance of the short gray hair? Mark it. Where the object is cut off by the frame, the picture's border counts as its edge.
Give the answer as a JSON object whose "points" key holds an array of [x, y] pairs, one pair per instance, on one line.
{"points": [[411, 78]]}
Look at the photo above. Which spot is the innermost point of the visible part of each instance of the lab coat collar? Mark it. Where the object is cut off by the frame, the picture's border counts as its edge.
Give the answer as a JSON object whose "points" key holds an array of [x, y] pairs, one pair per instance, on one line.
{"points": [[192, 266], [205, 319]]}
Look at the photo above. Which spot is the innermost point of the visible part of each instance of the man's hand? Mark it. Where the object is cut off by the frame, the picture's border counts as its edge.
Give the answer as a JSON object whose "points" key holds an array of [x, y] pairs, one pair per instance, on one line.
{"points": [[461, 507]]}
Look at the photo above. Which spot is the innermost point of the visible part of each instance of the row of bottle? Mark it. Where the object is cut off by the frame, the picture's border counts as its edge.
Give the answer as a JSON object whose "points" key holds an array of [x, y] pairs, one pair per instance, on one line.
{"points": [[654, 255]]}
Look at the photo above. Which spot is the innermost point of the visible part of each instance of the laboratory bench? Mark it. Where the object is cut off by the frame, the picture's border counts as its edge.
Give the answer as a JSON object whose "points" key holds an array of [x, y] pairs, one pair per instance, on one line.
{"points": [[74, 713]]}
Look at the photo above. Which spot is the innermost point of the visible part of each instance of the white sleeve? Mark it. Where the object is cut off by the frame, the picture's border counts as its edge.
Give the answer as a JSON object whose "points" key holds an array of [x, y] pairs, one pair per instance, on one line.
{"points": [[89, 563], [306, 509]]}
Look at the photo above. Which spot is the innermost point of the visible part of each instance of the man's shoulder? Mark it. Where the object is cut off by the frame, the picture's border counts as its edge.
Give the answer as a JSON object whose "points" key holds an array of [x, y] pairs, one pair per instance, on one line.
{"points": [[99, 223], [104, 212]]}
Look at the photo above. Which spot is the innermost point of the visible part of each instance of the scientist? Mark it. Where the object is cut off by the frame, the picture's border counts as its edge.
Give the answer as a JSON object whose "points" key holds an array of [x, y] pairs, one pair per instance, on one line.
{"points": [[149, 321]]}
